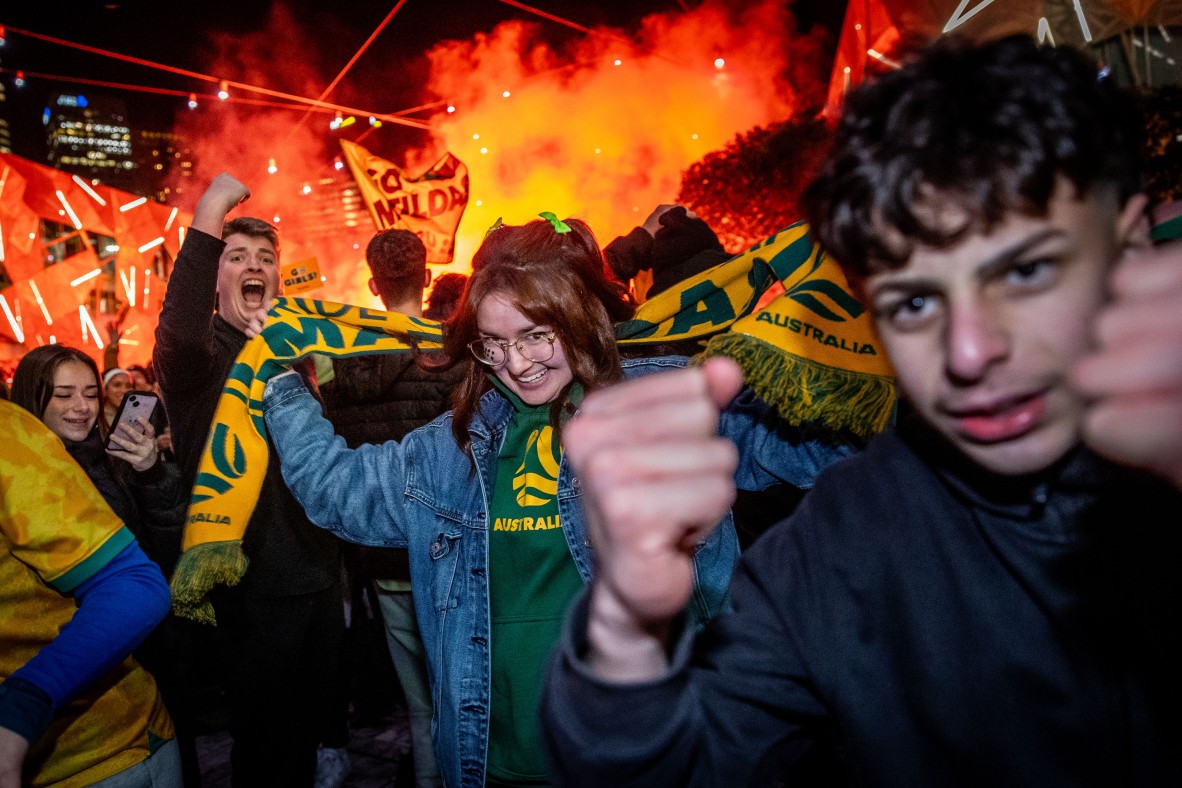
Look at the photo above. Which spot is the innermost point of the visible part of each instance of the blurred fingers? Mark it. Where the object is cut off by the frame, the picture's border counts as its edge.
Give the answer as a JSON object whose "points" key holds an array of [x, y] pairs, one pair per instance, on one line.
{"points": [[1130, 368], [1144, 431], [1149, 271], [678, 405]]}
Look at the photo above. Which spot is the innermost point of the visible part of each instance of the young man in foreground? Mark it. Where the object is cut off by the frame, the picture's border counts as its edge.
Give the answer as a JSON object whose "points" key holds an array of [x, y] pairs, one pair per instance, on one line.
{"points": [[978, 598]]}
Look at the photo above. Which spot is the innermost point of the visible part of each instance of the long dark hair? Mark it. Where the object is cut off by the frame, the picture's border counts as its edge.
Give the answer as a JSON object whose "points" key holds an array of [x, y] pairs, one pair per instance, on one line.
{"points": [[32, 383], [555, 279]]}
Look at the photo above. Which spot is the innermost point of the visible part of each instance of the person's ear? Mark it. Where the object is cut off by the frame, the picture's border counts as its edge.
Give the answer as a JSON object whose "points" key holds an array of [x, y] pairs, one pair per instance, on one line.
{"points": [[373, 286], [426, 278], [1132, 225]]}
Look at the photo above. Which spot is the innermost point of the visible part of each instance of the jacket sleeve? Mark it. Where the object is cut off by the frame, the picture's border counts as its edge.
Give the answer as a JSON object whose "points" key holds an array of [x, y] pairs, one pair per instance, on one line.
{"points": [[111, 356], [156, 490], [161, 507], [629, 254], [736, 707], [118, 606], [356, 494], [56, 525], [184, 333], [772, 451]]}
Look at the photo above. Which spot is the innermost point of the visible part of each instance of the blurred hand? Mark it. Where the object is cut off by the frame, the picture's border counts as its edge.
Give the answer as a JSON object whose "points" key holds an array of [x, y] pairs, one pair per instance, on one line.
{"points": [[164, 440], [13, 747], [1135, 374], [656, 480], [114, 326], [136, 444], [225, 192]]}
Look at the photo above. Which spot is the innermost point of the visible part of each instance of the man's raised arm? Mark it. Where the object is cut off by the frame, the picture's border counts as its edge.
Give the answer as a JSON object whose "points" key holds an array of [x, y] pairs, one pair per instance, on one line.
{"points": [[183, 332]]}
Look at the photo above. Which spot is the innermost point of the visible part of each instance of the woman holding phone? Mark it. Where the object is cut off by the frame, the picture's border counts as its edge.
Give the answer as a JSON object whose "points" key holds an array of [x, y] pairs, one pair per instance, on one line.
{"points": [[60, 385]]}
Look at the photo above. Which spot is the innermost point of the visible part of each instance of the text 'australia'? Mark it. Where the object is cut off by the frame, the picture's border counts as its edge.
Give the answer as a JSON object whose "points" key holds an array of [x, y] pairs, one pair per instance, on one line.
{"points": [[526, 523], [797, 326]]}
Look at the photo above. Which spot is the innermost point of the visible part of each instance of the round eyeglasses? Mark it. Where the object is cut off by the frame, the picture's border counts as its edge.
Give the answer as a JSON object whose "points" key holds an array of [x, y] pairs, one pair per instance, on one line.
{"points": [[538, 346]]}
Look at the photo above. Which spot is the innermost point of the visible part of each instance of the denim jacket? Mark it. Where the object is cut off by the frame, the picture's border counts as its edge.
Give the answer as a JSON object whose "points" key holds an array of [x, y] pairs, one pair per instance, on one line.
{"points": [[424, 494]]}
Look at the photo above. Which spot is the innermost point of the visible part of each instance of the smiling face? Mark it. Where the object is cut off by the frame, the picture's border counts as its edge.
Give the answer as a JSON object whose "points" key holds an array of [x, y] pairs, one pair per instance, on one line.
{"points": [[536, 382], [73, 406], [115, 389], [983, 334], [248, 278]]}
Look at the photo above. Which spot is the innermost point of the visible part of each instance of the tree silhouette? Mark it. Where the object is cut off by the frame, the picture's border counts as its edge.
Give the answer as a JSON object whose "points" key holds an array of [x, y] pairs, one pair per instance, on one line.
{"points": [[751, 188]]}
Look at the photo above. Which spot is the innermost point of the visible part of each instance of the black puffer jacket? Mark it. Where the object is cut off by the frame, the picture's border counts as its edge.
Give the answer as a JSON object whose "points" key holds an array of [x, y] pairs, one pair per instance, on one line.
{"points": [[373, 399]]}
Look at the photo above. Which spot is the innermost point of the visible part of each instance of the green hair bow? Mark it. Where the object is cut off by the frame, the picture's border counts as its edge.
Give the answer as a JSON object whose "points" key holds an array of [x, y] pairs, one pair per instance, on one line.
{"points": [[559, 225]]}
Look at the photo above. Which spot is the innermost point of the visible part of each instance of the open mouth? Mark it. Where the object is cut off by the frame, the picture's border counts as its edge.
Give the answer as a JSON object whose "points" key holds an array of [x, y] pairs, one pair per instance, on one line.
{"points": [[533, 378], [253, 291]]}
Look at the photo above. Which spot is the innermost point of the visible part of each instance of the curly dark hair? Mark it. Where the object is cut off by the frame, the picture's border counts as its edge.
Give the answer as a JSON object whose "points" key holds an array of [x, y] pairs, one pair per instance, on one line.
{"points": [[987, 129], [398, 261], [445, 294]]}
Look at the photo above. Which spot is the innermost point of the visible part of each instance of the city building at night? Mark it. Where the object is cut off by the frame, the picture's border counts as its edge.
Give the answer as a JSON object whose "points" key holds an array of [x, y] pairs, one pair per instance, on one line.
{"points": [[5, 127], [88, 135], [163, 164]]}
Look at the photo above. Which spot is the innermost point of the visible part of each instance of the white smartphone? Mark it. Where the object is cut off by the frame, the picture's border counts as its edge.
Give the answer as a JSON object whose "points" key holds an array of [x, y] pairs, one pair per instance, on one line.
{"points": [[135, 403]]}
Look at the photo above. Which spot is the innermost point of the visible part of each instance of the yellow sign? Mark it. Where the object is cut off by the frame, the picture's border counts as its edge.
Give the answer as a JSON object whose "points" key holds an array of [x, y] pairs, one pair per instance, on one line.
{"points": [[430, 205], [301, 277]]}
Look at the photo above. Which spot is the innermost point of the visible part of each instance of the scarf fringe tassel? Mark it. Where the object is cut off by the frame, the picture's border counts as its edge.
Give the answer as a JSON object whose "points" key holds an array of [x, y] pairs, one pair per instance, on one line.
{"points": [[200, 568], [804, 391]]}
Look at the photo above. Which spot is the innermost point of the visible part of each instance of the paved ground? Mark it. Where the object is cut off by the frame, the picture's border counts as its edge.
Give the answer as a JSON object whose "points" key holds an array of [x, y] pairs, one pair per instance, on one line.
{"points": [[379, 732], [376, 751]]}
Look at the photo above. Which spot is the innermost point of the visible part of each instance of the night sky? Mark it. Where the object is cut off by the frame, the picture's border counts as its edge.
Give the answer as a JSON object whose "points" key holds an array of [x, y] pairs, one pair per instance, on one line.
{"points": [[387, 78]]}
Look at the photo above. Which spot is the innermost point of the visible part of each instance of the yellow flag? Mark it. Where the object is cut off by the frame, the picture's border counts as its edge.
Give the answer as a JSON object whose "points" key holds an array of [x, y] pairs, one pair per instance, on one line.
{"points": [[430, 205]]}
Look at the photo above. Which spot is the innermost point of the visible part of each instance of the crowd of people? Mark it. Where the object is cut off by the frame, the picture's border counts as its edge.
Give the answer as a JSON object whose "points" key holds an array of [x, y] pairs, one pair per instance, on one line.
{"points": [[979, 595]]}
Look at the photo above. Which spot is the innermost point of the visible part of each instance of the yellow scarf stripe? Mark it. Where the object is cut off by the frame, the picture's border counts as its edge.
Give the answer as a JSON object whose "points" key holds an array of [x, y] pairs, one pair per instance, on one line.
{"points": [[714, 299], [811, 353]]}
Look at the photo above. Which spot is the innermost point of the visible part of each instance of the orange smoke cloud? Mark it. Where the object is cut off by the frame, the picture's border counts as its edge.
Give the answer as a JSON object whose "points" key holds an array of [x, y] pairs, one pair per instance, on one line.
{"points": [[286, 163], [600, 128], [604, 132]]}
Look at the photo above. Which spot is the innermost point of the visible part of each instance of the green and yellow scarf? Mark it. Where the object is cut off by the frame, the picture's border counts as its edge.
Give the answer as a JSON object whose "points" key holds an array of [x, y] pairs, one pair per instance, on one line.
{"points": [[811, 353]]}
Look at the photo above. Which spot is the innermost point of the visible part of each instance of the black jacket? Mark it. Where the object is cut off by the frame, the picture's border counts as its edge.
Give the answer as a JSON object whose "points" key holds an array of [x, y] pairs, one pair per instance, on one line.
{"points": [[195, 350], [373, 399], [942, 629], [148, 502]]}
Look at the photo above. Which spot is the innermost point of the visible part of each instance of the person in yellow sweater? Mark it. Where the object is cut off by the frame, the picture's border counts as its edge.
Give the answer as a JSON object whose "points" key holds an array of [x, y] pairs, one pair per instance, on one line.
{"points": [[77, 594]]}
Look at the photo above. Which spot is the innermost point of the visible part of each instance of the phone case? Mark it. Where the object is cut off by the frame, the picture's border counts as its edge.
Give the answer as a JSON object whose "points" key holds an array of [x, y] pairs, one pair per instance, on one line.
{"points": [[135, 403]]}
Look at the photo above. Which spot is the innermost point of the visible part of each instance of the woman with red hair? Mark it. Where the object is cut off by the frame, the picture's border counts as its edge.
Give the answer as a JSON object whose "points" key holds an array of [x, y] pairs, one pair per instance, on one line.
{"points": [[484, 500]]}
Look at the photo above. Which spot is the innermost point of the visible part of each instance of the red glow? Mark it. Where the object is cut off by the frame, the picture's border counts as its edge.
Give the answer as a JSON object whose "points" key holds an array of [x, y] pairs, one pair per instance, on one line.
{"points": [[601, 129]]}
